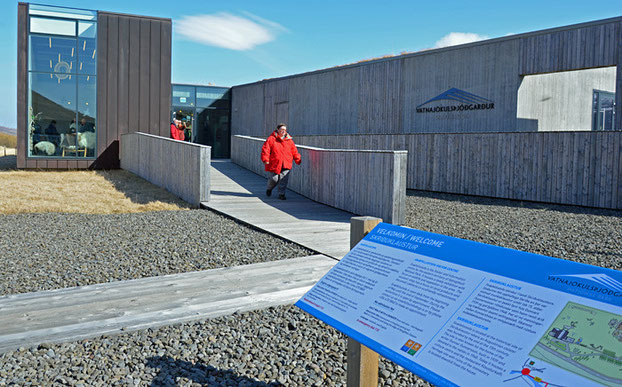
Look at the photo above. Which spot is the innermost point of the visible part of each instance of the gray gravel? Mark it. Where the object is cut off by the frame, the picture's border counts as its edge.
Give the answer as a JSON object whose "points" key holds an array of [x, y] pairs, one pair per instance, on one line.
{"points": [[272, 347], [51, 251], [280, 346], [586, 235]]}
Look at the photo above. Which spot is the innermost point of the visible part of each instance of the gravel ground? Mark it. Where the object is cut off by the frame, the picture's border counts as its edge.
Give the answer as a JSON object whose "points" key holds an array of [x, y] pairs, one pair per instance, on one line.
{"points": [[51, 251], [272, 347], [586, 235], [276, 346]]}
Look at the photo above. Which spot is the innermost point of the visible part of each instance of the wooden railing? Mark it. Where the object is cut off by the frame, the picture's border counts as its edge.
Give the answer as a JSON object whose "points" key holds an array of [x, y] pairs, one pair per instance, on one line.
{"points": [[367, 182], [181, 168], [580, 168]]}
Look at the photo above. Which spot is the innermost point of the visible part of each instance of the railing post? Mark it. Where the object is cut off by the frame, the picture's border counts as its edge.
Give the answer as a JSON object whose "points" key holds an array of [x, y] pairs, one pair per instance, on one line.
{"points": [[362, 361]]}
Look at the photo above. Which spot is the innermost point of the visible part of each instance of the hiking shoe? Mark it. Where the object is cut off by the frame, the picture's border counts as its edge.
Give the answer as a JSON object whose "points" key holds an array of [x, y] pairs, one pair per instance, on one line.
{"points": [[282, 197], [268, 192]]}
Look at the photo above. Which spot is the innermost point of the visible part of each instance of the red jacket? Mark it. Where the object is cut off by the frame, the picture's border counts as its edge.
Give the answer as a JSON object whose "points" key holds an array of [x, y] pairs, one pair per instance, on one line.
{"points": [[279, 153], [177, 134]]}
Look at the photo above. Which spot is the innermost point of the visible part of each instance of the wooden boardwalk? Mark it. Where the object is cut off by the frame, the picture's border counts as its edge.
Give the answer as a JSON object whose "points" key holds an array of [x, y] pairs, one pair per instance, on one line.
{"points": [[241, 194], [90, 311]]}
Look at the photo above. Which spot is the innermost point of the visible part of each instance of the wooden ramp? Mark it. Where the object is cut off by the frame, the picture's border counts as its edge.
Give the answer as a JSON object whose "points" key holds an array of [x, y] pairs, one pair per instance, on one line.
{"points": [[241, 194], [90, 311]]}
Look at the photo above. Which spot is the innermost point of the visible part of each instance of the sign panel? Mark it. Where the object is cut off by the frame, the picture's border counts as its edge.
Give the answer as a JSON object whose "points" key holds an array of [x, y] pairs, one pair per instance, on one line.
{"points": [[457, 312]]}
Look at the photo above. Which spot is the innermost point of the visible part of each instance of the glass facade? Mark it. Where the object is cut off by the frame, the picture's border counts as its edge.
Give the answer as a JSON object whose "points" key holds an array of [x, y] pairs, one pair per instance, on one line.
{"points": [[205, 114], [62, 86]]}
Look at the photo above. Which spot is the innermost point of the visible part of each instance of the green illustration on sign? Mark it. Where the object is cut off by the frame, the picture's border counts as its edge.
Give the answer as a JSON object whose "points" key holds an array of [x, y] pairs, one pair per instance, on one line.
{"points": [[585, 341]]}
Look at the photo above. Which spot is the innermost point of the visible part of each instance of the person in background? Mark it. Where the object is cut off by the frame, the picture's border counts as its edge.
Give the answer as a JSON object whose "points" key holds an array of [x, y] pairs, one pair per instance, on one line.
{"points": [[51, 133], [277, 154], [177, 130], [86, 126]]}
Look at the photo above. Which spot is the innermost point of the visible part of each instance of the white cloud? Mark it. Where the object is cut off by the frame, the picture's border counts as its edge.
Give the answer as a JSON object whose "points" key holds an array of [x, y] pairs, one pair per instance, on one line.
{"points": [[228, 31], [455, 38]]}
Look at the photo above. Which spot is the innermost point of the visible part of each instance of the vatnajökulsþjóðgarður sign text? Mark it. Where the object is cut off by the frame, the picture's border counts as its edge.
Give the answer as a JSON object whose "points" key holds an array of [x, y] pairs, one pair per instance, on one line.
{"points": [[457, 312]]}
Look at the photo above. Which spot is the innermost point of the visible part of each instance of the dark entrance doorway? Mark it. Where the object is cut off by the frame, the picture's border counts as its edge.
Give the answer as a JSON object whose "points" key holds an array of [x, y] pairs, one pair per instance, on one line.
{"points": [[206, 111]]}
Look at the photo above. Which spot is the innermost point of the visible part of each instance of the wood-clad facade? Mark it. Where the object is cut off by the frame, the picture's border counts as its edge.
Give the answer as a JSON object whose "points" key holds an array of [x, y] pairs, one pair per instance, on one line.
{"points": [[382, 96], [133, 86], [579, 168], [511, 148]]}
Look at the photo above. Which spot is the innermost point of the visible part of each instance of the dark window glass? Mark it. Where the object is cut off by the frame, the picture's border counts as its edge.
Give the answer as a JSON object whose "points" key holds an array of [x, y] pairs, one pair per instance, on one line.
{"points": [[603, 112], [183, 95], [52, 106], [212, 128], [217, 97], [52, 54]]}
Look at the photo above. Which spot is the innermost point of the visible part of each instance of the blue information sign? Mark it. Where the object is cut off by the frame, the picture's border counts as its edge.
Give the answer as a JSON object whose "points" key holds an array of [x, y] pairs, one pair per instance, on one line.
{"points": [[457, 312]]}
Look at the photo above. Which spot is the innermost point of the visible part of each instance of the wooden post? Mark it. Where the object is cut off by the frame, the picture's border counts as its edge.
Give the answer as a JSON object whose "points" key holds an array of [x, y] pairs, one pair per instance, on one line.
{"points": [[362, 361]]}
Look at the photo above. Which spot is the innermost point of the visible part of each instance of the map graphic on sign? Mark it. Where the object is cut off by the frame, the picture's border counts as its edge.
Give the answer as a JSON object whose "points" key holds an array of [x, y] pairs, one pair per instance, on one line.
{"points": [[585, 341], [529, 373]]}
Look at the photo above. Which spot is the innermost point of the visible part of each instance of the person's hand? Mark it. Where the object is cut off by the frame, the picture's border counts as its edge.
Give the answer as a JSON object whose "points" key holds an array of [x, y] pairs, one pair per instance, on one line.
{"points": [[266, 162]]}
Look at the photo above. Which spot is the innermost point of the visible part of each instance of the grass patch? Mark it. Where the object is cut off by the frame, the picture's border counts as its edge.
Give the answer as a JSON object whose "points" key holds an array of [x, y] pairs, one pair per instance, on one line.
{"points": [[87, 192], [8, 141]]}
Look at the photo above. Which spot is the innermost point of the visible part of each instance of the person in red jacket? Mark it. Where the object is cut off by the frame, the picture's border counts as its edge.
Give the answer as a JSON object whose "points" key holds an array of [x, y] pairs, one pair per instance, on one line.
{"points": [[177, 130], [277, 154]]}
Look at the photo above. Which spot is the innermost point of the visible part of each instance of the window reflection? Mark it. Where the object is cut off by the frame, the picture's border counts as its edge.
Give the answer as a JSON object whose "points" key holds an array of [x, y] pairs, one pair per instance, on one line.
{"points": [[52, 54], [204, 111], [62, 97], [52, 104], [183, 95]]}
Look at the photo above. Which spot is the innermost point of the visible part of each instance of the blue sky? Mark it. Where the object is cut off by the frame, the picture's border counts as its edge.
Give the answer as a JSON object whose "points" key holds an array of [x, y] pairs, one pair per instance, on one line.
{"points": [[233, 42]]}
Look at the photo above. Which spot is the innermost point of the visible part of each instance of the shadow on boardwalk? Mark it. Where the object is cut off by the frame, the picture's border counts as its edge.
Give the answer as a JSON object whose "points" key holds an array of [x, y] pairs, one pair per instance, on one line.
{"points": [[169, 369]]}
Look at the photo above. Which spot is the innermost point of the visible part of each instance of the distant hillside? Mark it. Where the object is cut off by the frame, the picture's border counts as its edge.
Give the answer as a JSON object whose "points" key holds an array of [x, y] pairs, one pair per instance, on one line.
{"points": [[11, 131]]}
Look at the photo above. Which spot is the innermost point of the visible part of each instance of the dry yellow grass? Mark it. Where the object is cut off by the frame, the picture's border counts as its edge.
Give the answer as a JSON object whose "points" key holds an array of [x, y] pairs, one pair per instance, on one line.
{"points": [[87, 192], [8, 141]]}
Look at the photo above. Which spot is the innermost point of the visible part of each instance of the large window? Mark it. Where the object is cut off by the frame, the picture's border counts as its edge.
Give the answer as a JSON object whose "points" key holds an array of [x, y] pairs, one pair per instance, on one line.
{"points": [[603, 110], [204, 112], [62, 101]]}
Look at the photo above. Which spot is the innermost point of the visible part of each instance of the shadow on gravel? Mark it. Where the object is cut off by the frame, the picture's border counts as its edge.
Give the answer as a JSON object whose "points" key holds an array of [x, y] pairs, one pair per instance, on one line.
{"points": [[488, 201], [169, 369]]}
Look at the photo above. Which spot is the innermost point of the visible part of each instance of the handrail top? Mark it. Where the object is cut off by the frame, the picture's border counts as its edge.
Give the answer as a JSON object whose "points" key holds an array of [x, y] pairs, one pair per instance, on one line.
{"points": [[166, 139], [331, 150]]}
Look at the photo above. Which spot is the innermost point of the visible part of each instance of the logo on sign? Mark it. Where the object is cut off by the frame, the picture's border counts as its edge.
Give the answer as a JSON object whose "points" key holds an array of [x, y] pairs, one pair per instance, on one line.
{"points": [[460, 100], [608, 285], [411, 347]]}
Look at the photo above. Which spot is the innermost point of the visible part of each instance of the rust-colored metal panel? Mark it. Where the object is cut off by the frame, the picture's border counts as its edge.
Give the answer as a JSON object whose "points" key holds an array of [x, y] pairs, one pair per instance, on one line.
{"points": [[165, 77], [22, 84], [123, 77], [102, 89], [154, 78]]}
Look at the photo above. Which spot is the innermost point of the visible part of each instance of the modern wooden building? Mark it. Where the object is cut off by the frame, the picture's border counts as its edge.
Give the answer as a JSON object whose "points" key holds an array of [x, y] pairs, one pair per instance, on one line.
{"points": [[533, 116], [552, 80], [85, 78]]}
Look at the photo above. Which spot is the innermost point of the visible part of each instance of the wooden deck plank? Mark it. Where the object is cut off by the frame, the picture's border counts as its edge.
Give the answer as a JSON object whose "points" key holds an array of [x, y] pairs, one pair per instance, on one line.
{"points": [[239, 193], [90, 311]]}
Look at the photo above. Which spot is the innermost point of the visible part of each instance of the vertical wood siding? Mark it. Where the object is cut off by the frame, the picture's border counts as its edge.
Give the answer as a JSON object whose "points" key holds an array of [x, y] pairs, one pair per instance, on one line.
{"points": [[134, 80], [580, 48], [153, 158], [364, 182], [579, 168], [22, 84], [380, 97]]}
